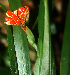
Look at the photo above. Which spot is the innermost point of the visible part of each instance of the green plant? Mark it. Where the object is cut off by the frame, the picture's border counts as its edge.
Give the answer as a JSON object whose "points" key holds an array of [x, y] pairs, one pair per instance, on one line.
{"points": [[18, 43]]}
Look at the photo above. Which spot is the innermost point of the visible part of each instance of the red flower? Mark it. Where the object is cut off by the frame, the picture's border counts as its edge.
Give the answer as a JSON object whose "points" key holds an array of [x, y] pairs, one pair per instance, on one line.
{"points": [[17, 17]]}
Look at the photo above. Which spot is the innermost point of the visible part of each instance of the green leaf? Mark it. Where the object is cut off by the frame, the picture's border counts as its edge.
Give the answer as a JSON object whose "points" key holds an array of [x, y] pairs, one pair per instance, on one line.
{"points": [[46, 42], [31, 38], [40, 26], [65, 55], [22, 51], [3, 7], [40, 40], [14, 4], [42, 66], [11, 50], [21, 44], [36, 21], [53, 66]]}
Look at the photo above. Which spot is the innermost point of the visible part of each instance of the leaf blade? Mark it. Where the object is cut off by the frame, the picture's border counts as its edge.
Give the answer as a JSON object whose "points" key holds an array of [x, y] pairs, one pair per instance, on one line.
{"points": [[65, 55], [44, 46], [24, 53], [11, 51], [3, 7], [46, 42]]}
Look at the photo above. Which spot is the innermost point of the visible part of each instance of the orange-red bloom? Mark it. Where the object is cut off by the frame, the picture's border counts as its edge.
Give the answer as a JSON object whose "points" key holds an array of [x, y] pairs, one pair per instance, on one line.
{"points": [[17, 17]]}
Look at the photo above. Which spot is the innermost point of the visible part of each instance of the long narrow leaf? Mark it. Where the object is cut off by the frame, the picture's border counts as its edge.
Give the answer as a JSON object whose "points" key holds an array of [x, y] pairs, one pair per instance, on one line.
{"points": [[65, 55], [46, 43], [44, 46], [3, 7], [22, 51], [11, 50], [53, 66], [40, 40], [21, 44]]}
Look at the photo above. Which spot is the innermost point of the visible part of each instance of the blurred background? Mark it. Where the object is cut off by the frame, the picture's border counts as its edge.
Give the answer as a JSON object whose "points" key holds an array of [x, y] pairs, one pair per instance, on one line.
{"points": [[57, 30]]}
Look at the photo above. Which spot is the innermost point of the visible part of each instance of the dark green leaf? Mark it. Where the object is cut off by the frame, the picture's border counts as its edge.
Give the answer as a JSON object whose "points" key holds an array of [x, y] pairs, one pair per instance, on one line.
{"points": [[21, 44], [36, 21], [65, 55], [40, 40], [46, 43], [31, 38], [14, 4], [11, 51], [53, 66], [3, 7], [22, 51], [43, 66]]}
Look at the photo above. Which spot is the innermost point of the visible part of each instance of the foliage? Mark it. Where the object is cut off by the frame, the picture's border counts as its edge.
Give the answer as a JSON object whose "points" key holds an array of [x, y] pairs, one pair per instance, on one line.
{"points": [[18, 39]]}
